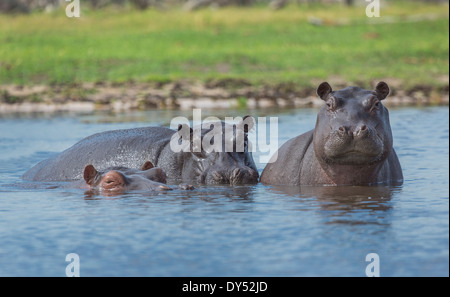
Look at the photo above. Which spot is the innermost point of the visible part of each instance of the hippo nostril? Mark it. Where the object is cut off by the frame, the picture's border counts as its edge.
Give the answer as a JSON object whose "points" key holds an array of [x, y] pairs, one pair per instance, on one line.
{"points": [[342, 130], [217, 176], [244, 176], [361, 131], [235, 176], [236, 172]]}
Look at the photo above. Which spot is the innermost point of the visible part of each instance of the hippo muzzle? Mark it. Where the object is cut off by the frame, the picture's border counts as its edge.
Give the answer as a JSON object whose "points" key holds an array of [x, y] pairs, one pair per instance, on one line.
{"points": [[359, 144], [238, 175]]}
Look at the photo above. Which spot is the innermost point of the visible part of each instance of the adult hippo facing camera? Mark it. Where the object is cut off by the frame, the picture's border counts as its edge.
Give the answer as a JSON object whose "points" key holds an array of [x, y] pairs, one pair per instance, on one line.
{"points": [[351, 144], [133, 147]]}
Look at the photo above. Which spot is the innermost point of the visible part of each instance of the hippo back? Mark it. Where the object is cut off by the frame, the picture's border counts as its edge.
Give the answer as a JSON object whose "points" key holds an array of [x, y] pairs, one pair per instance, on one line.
{"points": [[127, 147]]}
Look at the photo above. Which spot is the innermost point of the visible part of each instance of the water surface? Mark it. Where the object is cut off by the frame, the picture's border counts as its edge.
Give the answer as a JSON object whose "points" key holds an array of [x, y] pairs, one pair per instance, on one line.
{"points": [[221, 230]]}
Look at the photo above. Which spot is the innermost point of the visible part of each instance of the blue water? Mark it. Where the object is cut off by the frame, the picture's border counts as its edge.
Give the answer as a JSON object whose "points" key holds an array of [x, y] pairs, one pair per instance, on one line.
{"points": [[222, 230]]}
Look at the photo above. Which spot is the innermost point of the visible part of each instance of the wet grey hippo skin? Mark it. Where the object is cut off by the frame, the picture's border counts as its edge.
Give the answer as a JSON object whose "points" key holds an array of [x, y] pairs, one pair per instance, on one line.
{"points": [[117, 180], [350, 145], [133, 147]]}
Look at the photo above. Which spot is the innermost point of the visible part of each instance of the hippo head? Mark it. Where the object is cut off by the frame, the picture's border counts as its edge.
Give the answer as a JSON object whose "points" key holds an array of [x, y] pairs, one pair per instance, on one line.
{"points": [[116, 180], [218, 153], [353, 126]]}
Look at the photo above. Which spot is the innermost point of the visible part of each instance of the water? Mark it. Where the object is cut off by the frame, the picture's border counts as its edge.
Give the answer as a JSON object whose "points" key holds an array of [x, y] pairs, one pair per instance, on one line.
{"points": [[222, 230]]}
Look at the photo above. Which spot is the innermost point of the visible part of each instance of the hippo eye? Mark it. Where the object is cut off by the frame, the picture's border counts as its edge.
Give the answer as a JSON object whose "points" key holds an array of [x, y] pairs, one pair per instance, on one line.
{"points": [[376, 105], [332, 103]]}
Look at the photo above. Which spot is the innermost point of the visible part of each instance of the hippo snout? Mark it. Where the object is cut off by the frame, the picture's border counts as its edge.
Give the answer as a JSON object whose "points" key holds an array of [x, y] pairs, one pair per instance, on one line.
{"points": [[358, 144], [243, 176], [238, 175], [353, 132]]}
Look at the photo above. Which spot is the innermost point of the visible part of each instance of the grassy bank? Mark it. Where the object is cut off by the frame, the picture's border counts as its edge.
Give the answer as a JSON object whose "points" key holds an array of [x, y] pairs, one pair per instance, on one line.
{"points": [[297, 44]]}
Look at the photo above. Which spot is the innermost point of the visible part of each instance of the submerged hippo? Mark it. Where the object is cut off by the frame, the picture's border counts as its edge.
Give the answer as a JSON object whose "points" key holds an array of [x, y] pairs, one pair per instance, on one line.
{"points": [[132, 147], [117, 180], [350, 145]]}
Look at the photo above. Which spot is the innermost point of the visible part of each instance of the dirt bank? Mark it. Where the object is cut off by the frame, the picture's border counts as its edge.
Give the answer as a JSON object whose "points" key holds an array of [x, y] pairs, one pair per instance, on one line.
{"points": [[224, 93]]}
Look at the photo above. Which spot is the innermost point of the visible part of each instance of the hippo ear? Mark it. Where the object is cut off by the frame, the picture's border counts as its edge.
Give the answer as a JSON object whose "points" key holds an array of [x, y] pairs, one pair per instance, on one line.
{"points": [[147, 165], [247, 124], [382, 90], [323, 90], [89, 174]]}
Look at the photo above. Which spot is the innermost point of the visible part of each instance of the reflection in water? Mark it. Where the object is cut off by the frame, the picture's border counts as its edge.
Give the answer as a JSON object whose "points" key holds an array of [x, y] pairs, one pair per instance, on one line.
{"points": [[94, 194], [232, 193], [346, 204], [204, 193]]}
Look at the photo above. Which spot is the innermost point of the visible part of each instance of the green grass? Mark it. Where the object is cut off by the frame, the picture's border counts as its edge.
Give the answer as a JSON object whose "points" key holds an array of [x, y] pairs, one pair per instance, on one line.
{"points": [[255, 44]]}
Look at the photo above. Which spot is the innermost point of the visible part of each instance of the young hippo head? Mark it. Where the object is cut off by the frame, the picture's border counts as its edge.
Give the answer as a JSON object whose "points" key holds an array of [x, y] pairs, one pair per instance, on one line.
{"points": [[217, 153], [120, 179], [353, 127]]}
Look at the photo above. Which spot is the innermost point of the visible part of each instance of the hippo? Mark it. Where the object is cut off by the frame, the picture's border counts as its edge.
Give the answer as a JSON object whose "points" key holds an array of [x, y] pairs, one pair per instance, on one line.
{"points": [[117, 180], [132, 147], [351, 144]]}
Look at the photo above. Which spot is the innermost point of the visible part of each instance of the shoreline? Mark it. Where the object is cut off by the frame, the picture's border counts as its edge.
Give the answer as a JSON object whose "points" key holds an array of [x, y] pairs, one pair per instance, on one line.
{"points": [[184, 95]]}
